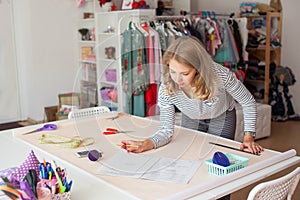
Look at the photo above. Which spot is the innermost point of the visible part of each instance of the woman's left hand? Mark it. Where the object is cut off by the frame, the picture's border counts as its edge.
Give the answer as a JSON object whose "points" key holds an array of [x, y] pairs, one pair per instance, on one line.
{"points": [[249, 143]]}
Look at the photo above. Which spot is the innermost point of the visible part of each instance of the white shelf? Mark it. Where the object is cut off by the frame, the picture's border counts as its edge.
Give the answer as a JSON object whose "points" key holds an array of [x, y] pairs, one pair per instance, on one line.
{"points": [[108, 83], [88, 42], [92, 20], [109, 103], [107, 60], [88, 61], [107, 34]]}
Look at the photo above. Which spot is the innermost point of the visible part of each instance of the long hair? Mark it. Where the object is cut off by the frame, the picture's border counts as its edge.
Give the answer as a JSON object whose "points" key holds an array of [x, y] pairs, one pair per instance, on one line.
{"points": [[190, 52]]}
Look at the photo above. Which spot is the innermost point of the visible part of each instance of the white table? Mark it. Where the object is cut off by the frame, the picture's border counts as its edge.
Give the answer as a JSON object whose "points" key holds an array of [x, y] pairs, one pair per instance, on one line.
{"points": [[87, 184]]}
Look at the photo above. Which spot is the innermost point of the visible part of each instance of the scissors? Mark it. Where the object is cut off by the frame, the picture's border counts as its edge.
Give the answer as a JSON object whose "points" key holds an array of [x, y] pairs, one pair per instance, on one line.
{"points": [[46, 127], [110, 131]]}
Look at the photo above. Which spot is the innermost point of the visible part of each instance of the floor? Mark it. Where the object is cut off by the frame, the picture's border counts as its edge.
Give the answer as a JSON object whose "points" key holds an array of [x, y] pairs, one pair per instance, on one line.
{"points": [[284, 136], [9, 125]]}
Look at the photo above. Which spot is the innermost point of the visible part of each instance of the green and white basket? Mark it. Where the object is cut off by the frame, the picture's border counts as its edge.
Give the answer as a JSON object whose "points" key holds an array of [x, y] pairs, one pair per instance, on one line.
{"points": [[236, 163]]}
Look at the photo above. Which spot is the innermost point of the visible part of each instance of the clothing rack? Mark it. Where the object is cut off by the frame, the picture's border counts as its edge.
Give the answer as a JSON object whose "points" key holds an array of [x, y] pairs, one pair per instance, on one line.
{"points": [[182, 16], [169, 17], [208, 13]]}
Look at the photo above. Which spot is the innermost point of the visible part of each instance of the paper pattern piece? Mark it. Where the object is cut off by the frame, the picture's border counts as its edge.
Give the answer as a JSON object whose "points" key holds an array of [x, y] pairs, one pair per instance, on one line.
{"points": [[149, 167]]}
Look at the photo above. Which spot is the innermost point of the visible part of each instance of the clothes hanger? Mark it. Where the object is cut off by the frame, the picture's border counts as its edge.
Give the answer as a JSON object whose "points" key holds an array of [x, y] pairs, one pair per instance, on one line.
{"points": [[139, 28]]}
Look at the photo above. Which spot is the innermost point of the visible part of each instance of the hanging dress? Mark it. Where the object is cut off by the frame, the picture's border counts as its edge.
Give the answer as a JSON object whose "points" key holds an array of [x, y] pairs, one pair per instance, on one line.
{"points": [[126, 62]]}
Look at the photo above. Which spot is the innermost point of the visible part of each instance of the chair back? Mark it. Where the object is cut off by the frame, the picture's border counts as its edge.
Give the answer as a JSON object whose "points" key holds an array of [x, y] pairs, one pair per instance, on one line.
{"points": [[278, 189], [88, 112]]}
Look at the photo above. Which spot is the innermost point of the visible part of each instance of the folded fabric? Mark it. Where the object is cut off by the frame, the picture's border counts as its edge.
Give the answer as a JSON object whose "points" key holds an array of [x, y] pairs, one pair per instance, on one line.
{"points": [[31, 162], [8, 173]]}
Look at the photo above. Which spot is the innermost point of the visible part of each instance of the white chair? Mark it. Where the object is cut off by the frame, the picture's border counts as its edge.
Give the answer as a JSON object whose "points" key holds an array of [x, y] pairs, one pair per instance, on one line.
{"points": [[281, 188], [88, 112]]}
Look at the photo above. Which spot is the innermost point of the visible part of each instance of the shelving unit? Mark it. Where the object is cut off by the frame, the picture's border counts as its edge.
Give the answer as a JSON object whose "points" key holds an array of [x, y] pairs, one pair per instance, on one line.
{"points": [[90, 85], [109, 26], [268, 53], [87, 62]]}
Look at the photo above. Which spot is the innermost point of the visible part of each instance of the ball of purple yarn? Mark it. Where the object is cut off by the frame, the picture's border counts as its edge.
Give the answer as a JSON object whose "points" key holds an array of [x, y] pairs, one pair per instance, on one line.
{"points": [[94, 155]]}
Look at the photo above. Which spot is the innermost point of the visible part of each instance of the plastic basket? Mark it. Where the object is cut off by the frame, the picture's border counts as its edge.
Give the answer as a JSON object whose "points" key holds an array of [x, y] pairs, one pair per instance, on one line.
{"points": [[237, 162], [67, 102]]}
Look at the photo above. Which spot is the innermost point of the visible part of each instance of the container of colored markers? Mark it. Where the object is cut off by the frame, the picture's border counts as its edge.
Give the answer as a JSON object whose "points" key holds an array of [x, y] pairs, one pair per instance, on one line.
{"points": [[53, 184], [222, 164]]}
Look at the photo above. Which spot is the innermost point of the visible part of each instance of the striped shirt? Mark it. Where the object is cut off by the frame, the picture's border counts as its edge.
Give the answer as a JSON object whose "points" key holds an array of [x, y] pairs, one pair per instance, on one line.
{"points": [[229, 91]]}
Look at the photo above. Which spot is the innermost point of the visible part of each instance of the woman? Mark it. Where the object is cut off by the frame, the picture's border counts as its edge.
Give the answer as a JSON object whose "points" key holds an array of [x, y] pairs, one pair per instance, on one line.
{"points": [[205, 92]]}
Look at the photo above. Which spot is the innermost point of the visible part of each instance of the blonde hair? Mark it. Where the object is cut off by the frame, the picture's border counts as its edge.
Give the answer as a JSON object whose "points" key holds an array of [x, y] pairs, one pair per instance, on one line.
{"points": [[190, 52]]}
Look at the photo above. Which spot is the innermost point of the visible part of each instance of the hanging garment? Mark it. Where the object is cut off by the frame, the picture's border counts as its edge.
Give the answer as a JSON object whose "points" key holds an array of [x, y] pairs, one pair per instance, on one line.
{"points": [[155, 73], [242, 24], [227, 52], [190, 30], [203, 27], [150, 53], [151, 100], [162, 36], [134, 71], [214, 38], [126, 62], [234, 27], [139, 72]]}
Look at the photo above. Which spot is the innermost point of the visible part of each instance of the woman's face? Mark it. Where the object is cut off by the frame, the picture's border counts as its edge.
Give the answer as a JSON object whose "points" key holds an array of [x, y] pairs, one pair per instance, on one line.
{"points": [[181, 74]]}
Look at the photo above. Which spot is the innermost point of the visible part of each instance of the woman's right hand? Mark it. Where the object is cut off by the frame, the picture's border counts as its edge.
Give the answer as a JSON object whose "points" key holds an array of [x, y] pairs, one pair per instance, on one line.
{"points": [[137, 146]]}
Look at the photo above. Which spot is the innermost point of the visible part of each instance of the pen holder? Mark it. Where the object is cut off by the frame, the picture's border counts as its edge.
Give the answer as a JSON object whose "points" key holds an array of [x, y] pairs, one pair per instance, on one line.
{"points": [[45, 192], [62, 196]]}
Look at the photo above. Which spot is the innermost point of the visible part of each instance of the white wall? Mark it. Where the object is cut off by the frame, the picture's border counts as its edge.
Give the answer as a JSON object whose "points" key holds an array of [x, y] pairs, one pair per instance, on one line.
{"points": [[291, 45], [47, 48], [9, 95], [290, 35], [47, 53]]}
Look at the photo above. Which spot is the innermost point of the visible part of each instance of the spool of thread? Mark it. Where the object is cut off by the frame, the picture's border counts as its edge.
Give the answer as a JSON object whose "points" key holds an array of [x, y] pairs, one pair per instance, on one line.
{"points": [[94, 155], [220, 158]]}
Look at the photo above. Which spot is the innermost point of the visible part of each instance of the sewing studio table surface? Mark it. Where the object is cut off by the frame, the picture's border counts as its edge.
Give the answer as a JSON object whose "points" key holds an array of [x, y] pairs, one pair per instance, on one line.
{"points": [[186, 144]]}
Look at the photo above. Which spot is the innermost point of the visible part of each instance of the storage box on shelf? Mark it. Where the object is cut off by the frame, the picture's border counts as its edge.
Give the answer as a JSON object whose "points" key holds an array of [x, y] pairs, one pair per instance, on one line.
{"points": [[268, 53], [109, 26], [67, 102], [88, 94]]}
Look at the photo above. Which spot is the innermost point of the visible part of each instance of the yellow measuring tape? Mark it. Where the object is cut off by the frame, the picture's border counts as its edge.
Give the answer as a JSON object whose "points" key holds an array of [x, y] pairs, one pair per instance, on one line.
{"points": [[65, 142]]}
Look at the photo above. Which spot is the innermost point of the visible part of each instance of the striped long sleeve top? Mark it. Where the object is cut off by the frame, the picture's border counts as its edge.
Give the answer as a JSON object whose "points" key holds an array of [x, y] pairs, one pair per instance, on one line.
{"points": [[230, 91]]}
